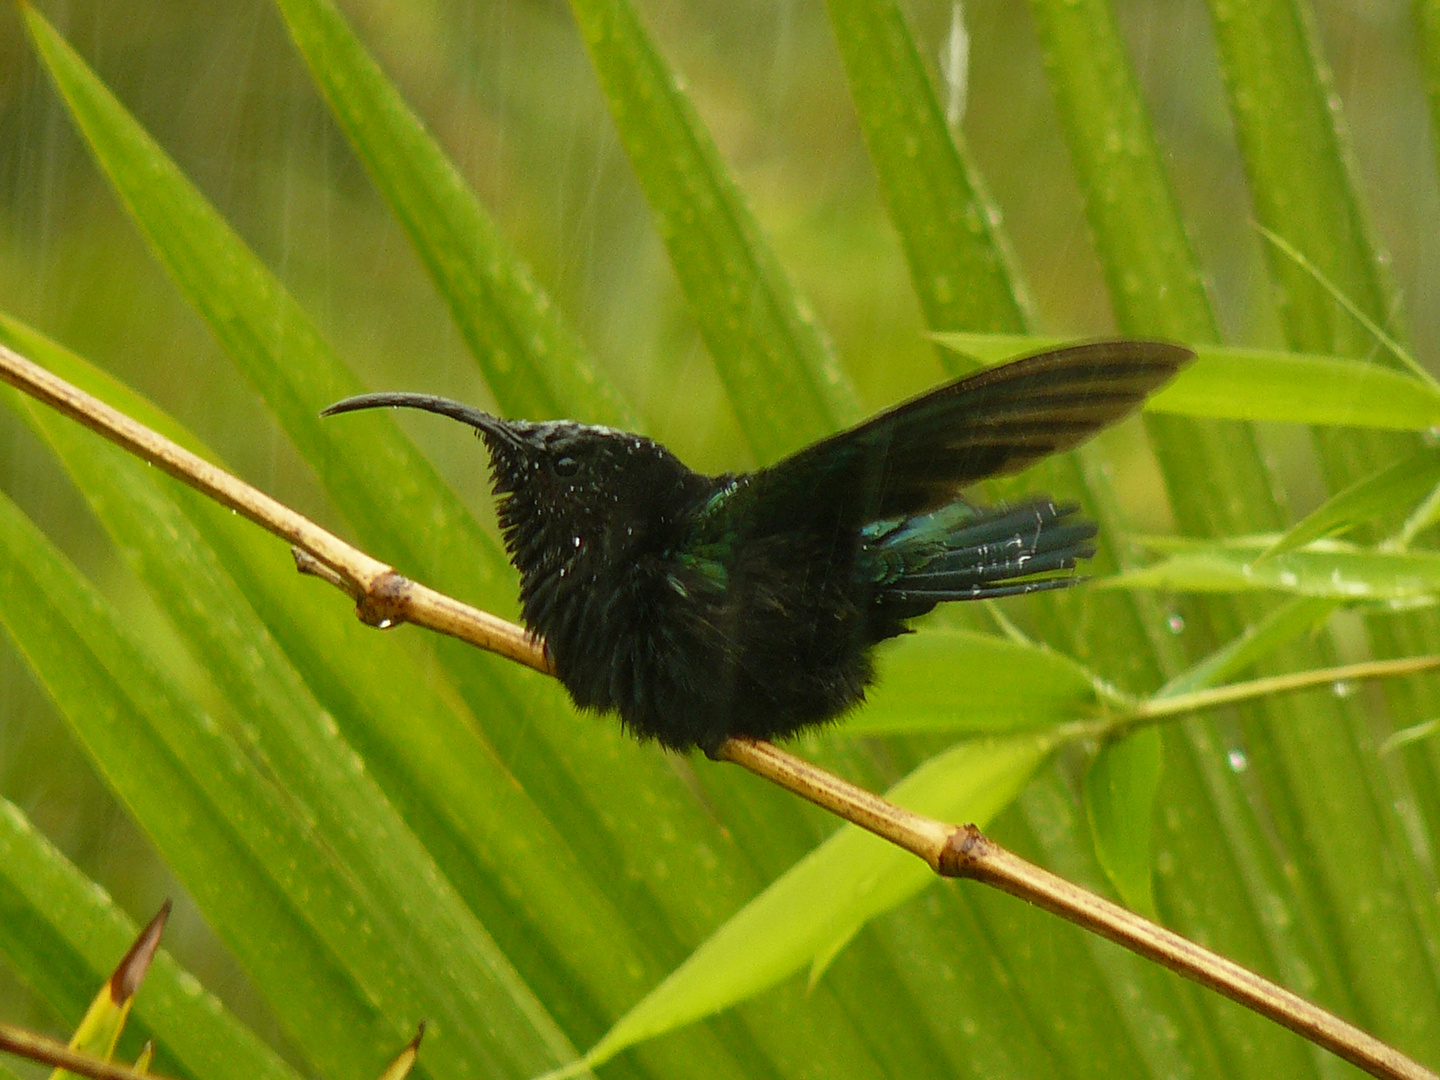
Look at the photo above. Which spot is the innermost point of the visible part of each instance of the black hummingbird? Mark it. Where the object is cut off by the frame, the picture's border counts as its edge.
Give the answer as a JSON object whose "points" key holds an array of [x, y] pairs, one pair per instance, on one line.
{"points": [[701, 607]]}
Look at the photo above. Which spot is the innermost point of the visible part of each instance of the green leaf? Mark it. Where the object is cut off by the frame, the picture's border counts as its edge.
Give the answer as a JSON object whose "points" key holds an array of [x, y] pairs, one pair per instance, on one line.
{"points": [[1396, 487], [960, 268], [1408, 735], [534, 362], [277, 895], [1328, 570], [1154, 280], [64, 935], [808, 914], [1259, 384], [590, 771], [448, 782], [1296, 154], [1259, 640], [962, 681], [1120, 790], [783, 381], [1249, 384], [419, 525], [388, 870]]}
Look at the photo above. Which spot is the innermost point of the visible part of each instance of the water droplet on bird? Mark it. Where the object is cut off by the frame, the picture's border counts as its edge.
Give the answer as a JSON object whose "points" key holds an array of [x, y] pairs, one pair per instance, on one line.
{"points": [[385, 624]]}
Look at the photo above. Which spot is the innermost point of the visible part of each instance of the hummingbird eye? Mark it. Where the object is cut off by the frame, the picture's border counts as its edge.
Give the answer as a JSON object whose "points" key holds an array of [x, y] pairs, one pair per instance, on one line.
{"points": [[566, 466]]}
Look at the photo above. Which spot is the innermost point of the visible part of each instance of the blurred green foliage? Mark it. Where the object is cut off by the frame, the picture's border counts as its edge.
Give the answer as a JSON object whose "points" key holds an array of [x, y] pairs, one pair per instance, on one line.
{"points": [[508, 90]]}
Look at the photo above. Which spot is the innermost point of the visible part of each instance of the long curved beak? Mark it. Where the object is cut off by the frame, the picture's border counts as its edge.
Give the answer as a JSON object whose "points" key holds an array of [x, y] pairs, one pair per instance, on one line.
{"points": [[481, 421]]}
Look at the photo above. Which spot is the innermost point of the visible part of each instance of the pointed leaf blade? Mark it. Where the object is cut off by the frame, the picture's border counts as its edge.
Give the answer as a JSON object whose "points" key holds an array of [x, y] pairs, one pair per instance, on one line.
{"points": [[962, 681], [821, 902], [1397, 486], [783, 381], [535, 363], [1120, 790], [1261, 384]]}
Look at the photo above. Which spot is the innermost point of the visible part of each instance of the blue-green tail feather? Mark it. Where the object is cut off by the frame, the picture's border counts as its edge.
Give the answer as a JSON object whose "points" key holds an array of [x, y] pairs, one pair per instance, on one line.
{"points": [[964, 552]]}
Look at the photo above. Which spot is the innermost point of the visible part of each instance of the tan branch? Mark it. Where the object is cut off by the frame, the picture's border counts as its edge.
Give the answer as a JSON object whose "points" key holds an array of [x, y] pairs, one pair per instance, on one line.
{"points": [[963, 851], [47, 1051], [384, 598], [969, 854]]}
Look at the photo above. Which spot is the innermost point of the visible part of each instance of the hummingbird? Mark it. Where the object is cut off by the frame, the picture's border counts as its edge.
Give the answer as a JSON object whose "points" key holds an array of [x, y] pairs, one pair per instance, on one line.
{"points": [[702, 607]]}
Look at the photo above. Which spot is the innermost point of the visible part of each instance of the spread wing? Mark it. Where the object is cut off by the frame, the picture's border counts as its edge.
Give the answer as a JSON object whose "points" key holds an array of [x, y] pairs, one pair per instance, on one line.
{"points": [[918, 455]]}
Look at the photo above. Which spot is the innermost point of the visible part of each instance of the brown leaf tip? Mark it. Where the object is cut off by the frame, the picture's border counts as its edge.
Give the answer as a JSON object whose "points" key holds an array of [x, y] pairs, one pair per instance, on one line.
{"points": [[132, 968]]}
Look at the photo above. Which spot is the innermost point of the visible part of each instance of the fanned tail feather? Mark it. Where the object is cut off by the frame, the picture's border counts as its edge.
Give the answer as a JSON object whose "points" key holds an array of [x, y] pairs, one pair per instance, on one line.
{"points": [[961, 552]]}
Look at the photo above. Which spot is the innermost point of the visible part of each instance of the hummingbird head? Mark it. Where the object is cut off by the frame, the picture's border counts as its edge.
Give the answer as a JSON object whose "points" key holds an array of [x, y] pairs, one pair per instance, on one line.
{"points": [[579, 504]]}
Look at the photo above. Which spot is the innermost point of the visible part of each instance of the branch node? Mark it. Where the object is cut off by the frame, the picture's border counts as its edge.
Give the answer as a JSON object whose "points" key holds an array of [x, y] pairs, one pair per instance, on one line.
{"points": [[385, 603], [963, 853]]}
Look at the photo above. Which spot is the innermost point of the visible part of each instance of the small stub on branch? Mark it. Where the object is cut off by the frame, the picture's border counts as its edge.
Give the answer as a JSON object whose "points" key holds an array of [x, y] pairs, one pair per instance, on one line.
{"points": [[384, 604], [962, 852]]}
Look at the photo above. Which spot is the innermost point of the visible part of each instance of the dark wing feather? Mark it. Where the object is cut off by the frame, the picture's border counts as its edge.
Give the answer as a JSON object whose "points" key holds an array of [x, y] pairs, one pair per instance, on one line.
{"points": [[919, 454]]}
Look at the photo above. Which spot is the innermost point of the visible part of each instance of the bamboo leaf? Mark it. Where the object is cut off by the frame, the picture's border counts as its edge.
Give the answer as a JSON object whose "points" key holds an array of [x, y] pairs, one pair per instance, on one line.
{"points": [[534, 362], [1328, 570], [1397, 487], [1120, 789], [782, 379], [808, 914], [1258, 384], [280, 350], [962, 681], [960, 268], [60, 931]]}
